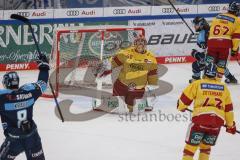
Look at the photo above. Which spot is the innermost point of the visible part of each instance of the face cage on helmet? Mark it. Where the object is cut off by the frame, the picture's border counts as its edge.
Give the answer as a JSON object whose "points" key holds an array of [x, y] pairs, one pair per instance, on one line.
{"points": [[140, 42], [3, 82], [237, 11], [6, 85]]}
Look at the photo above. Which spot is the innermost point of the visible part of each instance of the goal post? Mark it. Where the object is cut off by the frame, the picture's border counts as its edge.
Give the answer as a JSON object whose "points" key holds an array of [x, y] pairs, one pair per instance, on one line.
{"points": [[79, 54]]}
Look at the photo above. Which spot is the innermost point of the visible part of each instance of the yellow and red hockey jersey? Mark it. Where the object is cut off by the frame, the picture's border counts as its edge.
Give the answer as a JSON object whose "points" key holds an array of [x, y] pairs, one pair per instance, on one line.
{"points": [[225, 32], [212, 102], [138, 69]]}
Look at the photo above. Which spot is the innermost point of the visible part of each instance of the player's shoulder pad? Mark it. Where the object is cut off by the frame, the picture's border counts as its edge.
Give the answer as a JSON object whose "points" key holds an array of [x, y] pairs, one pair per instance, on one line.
{"points": [[28, 87], [125, 50], [5, 91], [238, 21], [35, 86], [197, 82], [225, 86], [151, 55]]}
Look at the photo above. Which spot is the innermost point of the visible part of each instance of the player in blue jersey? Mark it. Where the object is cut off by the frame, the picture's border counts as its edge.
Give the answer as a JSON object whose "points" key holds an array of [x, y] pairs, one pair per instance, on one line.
{"points": [[16, 111], [202, 27]]}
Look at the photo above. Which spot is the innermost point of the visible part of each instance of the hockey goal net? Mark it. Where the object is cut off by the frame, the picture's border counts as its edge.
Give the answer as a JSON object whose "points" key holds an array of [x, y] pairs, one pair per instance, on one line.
{"points": [[80, 54]]}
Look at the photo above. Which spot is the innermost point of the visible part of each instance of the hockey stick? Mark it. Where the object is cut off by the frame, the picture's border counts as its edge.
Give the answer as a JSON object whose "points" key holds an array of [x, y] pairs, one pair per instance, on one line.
{"points": [[180, 16], [39, 53], [224, 125]]}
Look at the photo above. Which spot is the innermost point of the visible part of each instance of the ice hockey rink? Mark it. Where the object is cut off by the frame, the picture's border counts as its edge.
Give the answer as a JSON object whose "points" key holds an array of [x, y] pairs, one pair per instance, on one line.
{"points": [[111, 137]]}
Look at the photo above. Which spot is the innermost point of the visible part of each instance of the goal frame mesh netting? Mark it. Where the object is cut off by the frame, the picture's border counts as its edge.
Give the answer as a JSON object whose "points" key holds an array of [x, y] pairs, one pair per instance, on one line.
{"points": [[56, 64]]}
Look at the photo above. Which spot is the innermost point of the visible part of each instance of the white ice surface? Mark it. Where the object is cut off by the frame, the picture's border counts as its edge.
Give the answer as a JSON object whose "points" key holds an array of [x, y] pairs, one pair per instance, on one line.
{"points": [[109, 138]]}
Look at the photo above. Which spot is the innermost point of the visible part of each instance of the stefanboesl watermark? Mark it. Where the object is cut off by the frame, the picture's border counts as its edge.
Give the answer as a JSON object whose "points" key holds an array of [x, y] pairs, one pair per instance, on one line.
{"points": [[158, 116]]}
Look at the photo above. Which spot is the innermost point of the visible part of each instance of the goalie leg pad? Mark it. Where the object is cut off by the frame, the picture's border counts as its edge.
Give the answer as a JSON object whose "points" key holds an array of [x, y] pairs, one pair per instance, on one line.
{"points": [[140, 105]]}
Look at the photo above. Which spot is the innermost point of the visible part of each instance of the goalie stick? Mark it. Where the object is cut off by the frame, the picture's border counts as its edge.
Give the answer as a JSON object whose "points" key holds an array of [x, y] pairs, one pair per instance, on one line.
{"points": [[224, 125], [39, 53]]}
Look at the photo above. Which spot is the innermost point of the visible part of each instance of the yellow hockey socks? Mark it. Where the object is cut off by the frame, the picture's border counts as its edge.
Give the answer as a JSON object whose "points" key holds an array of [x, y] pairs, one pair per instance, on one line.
{"points": [[204, 152], [189, 152]]}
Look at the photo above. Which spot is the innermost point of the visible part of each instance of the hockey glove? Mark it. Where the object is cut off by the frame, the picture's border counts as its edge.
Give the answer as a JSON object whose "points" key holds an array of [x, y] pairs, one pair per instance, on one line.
{"points": [[43, 66], [233, 53], [231, 129], [178, 107], [194, 52], [43, 58], [202, 45]]}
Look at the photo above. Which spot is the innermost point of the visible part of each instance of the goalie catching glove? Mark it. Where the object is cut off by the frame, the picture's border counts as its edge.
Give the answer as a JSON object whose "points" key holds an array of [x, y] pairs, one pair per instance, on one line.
{"points": [[103, 68]]}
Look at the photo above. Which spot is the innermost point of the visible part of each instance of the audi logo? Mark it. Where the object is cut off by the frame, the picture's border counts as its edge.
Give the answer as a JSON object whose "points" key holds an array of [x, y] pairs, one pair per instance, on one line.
{"points": [[214, 8], [73, 13], [167, 10], [119, 11], [24, 14]]}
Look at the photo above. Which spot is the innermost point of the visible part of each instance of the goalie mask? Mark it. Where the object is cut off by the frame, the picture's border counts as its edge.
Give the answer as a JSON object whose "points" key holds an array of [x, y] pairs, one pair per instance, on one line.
{"points": [[11, 80], [140, 44]]}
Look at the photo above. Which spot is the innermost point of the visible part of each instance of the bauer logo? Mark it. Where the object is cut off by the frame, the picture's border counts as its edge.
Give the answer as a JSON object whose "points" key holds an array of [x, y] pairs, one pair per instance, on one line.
{"points": [[169, 39], [24, 14], [119, 11], [72, 13], [214, 8]]}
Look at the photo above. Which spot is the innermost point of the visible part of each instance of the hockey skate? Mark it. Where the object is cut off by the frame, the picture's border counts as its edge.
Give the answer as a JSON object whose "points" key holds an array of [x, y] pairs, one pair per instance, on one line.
{"points": [[231, 80]]}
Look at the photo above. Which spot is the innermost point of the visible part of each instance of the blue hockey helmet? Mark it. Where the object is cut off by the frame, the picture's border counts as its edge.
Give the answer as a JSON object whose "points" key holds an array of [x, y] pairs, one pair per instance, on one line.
{"points": [[210, 70], [200, 22], [234, 7], [11, 80]]}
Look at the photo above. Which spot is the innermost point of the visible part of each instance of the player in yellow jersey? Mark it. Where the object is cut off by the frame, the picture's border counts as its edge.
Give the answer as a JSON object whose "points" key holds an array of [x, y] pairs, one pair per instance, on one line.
{"points": [[212, 109], [224, 37], [139, 69]]}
